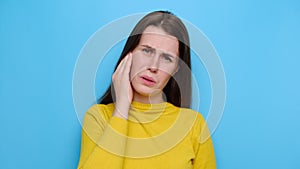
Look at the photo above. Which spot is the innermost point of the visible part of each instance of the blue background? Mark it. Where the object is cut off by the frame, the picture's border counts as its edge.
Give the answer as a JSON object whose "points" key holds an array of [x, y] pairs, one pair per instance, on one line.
{"points": [[257, 41]]}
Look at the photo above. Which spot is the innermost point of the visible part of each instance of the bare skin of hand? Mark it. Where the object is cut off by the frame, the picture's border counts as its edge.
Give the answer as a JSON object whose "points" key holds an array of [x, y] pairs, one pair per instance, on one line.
{"points": [[122, 86]]}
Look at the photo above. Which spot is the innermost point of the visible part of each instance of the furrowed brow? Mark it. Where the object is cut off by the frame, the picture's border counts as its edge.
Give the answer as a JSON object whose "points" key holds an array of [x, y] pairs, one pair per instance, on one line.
{"points": [[165, 54]]}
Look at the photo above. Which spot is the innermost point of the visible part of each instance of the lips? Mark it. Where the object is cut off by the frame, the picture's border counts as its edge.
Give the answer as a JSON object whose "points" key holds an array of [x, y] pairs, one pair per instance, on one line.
{"points": [[147, 80]]}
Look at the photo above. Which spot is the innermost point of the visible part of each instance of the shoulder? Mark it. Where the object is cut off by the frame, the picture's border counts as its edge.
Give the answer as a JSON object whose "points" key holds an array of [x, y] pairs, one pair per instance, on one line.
{"points": [[199, 126], [103, 111], [192, 113], [191, 116]]}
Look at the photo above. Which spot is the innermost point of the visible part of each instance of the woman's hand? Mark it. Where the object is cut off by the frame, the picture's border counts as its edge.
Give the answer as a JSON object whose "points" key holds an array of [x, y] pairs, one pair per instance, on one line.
{"points": [[122, 86]]}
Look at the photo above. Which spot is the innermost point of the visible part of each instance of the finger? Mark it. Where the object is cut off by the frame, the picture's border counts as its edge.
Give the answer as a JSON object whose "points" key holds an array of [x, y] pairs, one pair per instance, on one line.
{"points": [[127, 66], [121, 64], [124, 64], [117, 72]]}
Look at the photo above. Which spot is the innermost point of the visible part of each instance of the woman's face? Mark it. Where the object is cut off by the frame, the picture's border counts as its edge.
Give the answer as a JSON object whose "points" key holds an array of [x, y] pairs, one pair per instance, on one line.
{"points": [[154, 60]]}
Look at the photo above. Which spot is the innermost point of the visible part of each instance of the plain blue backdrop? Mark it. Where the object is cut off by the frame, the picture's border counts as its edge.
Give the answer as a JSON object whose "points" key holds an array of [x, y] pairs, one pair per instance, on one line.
{"points": [[257, 42]]}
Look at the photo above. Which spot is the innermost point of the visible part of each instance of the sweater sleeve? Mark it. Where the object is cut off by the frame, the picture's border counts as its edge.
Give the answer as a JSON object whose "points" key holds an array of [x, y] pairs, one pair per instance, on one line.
{"points": [[103, 140], [203, 146]]}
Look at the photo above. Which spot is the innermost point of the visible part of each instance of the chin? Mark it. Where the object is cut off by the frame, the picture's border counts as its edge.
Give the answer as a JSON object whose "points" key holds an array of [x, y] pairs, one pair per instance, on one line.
{"points": [[145, 90]]}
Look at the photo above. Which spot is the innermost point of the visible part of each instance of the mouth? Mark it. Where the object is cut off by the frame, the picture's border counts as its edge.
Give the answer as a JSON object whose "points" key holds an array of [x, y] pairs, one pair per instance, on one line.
{"points": [[148, 81]]}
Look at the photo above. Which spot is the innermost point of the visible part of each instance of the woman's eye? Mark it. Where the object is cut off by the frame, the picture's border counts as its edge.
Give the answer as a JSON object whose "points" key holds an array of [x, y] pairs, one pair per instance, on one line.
{"points": [[167, 58], [146, 50]]}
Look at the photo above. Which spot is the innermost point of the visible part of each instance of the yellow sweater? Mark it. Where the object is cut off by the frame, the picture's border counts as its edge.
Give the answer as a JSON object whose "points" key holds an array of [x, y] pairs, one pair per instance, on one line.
{"points": [[155, 136]]}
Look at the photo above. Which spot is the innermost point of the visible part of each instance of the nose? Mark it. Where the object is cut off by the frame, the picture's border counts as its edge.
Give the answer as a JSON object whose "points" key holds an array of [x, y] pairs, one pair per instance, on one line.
{"points": [[154, 64]]}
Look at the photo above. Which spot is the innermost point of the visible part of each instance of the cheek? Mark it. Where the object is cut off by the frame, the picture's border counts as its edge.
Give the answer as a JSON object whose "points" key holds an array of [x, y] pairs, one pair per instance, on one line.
{"points": [[169, 70], [164, 78], [137, 66]]}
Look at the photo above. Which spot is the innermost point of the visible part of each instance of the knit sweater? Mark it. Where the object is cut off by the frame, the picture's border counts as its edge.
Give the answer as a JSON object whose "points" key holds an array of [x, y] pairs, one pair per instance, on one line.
{"points": [[155, 136]]}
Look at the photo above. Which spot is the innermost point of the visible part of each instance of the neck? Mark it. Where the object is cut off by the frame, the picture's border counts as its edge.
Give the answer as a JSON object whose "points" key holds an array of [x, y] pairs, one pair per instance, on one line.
{"points": [[151, 99]]}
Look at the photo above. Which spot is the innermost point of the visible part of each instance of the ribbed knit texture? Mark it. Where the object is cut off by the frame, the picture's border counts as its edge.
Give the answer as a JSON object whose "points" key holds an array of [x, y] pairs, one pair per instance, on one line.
{"points": [[155, 136]]}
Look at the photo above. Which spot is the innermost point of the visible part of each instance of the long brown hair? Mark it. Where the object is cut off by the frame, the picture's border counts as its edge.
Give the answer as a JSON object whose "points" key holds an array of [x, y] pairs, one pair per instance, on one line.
{"points": [[172, 25]]}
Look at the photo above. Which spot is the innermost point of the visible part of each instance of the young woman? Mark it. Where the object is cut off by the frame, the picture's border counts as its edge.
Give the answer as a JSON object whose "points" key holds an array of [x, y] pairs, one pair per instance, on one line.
{"points": [[143, 120]]}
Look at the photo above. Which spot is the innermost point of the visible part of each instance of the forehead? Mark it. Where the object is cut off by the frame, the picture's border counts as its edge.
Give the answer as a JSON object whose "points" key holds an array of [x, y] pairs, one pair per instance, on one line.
{"points": [[157, 38]]}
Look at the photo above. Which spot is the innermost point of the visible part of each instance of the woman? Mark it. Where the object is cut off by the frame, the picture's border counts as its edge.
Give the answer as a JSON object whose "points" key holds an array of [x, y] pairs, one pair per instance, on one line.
{"points": [[143, 120]]}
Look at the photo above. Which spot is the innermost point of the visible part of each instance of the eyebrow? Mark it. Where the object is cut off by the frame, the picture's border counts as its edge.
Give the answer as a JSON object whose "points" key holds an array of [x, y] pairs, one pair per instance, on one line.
{"points": [[165, 54]]}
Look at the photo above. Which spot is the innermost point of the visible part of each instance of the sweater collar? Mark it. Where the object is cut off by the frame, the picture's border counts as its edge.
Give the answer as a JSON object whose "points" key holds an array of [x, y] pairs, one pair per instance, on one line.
{"points": [[146, 113], [150, 108]]}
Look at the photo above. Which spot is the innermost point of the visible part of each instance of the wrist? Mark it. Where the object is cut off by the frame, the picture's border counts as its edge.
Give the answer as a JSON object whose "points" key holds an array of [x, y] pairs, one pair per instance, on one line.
{"points": [[120, 115], [121, 111]]}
